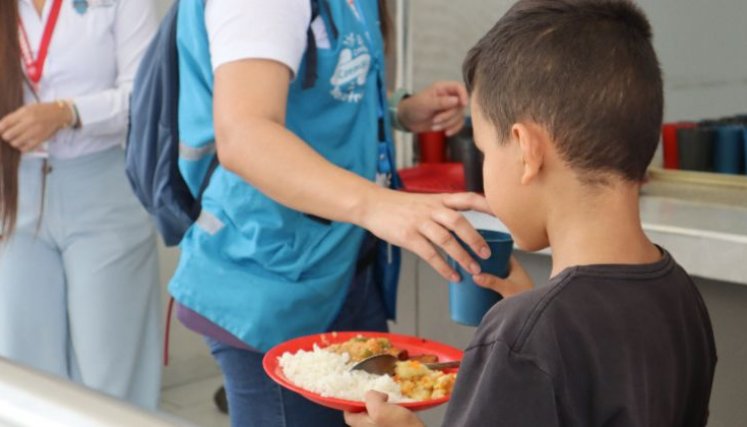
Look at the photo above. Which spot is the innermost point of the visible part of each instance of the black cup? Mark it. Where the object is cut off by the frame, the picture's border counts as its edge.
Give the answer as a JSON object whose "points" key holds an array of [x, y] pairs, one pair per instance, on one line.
{"points": [[462, 149], [740, 119], [458, 145], [472, 163], [709, 123], [695, 147]]}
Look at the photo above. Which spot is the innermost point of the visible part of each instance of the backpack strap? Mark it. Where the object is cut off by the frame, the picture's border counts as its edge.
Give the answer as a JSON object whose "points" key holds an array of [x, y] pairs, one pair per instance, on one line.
{"points": [[332, 25], [214, 163], [310, 76]]}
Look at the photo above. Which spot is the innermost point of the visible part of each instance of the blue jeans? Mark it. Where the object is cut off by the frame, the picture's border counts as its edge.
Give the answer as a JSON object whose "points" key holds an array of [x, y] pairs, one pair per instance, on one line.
{"points": [[255, 400]]}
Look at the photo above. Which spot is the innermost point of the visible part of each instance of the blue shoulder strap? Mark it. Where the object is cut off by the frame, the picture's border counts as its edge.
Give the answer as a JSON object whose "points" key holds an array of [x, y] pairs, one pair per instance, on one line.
{"points": [[197, 158], [197, 144]]}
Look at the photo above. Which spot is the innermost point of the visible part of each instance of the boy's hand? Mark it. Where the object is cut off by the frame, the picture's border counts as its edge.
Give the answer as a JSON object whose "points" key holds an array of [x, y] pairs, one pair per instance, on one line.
{"points": [[437, 107], [382, 414], [517, 281]]}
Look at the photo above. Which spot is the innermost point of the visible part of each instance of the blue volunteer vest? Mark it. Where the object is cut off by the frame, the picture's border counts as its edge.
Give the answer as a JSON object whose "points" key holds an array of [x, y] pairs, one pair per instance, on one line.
{"points": [[262, 271]]}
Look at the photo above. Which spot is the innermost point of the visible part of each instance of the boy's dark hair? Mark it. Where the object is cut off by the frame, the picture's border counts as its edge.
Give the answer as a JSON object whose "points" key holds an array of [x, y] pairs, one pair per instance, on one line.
{"points": [[583, 69]]}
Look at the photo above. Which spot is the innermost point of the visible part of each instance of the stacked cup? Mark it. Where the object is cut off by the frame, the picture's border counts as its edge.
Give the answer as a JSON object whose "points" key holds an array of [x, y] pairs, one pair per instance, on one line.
{"points": [[708, 146], [462, 149]]}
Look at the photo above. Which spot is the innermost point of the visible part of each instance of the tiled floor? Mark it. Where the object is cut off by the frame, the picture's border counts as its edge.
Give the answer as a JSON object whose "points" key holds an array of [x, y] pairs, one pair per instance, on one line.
{"points": [[193, 402]]}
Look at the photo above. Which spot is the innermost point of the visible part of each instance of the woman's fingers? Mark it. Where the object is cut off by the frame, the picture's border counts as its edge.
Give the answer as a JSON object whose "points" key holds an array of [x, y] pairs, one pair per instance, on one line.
{"points": [[446, 103], [455, 88], [451, 125], [11, 120], [447, 116], [445, 240], [454, 126], [20, 131], [443, 230], [26, 141], [22, 142], [424, 225], [467, 201], [423, 248], [456, 222], [14, 130]]}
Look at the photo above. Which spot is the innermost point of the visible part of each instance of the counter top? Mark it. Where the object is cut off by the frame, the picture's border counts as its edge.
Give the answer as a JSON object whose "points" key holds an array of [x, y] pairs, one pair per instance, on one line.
{"points": [[708, 240]]}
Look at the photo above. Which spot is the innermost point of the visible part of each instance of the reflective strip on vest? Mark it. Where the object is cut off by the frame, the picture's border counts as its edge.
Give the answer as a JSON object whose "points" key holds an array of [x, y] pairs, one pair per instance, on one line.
{"points": [[209, 222], [196, 153]]}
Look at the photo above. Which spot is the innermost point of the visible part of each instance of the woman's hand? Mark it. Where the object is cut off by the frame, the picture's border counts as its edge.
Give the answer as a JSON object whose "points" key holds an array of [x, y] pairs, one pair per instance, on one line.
{"points": [[517, 281], [424, 223], [382, 414], [438, 107], [29, 126]]}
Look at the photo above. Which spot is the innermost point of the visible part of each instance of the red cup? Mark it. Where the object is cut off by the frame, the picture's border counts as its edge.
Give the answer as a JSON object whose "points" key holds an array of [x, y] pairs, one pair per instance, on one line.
{"points": [[669, 142], [432, 147]]}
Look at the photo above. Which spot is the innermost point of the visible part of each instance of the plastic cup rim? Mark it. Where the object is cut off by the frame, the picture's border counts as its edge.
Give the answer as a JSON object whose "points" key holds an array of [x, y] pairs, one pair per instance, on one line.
{"points": [[498, 236]]}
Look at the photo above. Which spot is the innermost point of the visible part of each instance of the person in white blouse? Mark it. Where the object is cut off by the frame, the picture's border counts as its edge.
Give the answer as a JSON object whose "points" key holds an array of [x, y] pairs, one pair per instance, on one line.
{"points": [[79, 294]]}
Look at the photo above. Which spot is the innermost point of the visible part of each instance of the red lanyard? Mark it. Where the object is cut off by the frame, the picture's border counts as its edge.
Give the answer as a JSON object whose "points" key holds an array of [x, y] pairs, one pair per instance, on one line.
{"points": [[35, 66]]}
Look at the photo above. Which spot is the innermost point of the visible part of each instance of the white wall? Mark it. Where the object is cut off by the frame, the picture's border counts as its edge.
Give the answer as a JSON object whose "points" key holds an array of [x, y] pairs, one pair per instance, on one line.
{"points": [[702, 47]]}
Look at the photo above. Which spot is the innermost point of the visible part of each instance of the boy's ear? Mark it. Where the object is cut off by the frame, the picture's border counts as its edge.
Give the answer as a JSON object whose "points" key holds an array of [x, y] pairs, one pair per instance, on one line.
{"points": [[532, 141]]}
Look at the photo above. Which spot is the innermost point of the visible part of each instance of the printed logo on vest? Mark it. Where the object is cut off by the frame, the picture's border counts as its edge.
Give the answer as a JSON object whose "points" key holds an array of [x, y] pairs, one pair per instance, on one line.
{"points": [[349, 79]]}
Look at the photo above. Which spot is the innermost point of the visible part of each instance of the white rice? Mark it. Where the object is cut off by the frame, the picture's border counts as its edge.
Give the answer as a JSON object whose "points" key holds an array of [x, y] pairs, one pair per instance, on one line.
{"points": [[328, 374]]}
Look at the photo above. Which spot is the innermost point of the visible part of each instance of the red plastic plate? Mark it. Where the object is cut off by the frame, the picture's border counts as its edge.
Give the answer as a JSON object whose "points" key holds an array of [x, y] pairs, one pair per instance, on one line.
{"points": [[434, 178], [414, 346]]}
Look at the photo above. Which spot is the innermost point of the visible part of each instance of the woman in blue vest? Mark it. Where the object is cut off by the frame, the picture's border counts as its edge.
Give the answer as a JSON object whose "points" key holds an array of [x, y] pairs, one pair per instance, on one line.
{"points": [[302, 132]]}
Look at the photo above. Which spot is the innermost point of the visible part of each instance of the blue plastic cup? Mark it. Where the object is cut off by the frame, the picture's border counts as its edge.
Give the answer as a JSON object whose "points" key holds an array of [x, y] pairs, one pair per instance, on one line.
{"points": [[728, 152], [468, 302]]}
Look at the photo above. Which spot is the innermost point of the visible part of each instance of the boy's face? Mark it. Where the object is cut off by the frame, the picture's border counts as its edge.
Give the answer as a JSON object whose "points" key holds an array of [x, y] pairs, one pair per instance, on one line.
{"points": [[513, 198]]}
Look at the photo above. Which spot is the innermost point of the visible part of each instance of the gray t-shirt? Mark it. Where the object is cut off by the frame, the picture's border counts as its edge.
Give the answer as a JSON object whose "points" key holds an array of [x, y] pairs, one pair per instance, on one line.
{"points": [[602, 345]]}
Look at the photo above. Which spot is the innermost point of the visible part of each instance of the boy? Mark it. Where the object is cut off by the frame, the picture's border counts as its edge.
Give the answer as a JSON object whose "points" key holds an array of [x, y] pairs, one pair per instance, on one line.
{"points": [[567, 105]]}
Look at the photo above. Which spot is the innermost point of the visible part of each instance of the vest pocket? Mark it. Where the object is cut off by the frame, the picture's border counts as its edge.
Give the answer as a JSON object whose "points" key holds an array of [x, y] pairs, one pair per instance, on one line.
{"points": [[279, 243], [293, 251]]}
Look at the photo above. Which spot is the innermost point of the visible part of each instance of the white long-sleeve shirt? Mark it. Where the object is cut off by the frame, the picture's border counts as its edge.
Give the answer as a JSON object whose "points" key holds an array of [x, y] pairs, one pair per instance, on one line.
{"points": [[92, 60]]}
